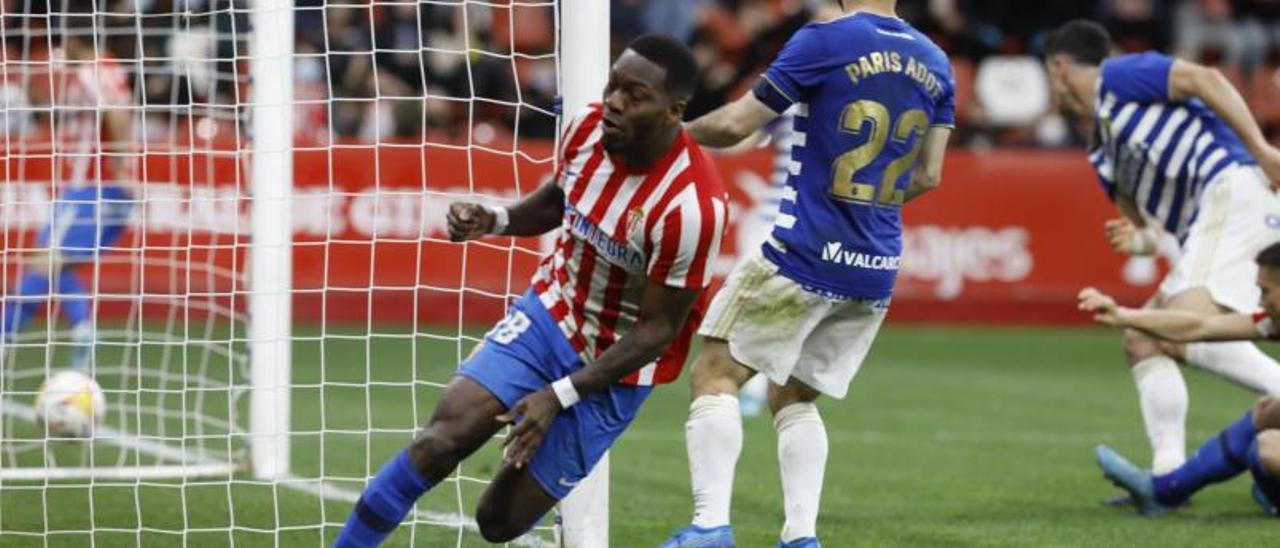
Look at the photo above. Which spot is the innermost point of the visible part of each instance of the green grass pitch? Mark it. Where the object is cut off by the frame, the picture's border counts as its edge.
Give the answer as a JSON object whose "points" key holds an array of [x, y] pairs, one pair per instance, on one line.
{"points": [[950, 437]]}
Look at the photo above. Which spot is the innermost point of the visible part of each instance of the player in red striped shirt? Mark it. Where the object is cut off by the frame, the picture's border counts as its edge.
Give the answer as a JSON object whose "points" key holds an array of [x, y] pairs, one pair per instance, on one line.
{"points": [[612, 309], [91, 102], [1251, 443]]}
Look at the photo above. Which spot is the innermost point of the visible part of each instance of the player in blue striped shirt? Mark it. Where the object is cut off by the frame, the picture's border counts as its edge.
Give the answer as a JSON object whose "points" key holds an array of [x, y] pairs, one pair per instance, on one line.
{"points": [[874, 104], [1176, 150]]}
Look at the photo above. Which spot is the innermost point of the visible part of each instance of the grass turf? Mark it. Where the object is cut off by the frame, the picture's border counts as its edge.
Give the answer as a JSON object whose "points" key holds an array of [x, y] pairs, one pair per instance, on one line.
{"points": [[950, 437]]}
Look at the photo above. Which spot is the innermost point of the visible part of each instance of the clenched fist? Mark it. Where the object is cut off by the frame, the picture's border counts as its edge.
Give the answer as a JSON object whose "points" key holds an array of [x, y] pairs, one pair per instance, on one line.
{"points": [[468, 221]]}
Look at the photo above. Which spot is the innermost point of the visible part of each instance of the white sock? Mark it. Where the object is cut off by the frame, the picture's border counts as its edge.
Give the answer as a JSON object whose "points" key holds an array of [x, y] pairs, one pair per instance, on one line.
{"points": [[802, 460], [1242, 363], [1162, 396], [714, 439]]}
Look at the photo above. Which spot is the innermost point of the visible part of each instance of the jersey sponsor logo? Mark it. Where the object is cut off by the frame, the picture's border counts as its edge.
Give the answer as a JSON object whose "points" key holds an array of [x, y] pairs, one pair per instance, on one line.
{"points": [[834, 252], [611, 250]]}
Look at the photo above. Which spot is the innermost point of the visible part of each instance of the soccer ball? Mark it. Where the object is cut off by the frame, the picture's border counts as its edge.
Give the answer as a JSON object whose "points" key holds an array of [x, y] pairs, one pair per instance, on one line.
{"points": [[70, 403]]}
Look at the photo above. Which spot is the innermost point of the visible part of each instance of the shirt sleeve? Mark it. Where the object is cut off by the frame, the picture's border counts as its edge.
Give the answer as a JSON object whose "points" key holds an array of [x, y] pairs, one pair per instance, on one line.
{"points": [[793, 75], [1140, 78], [686, 241], [576, 134], [1105, 176], [1266, 328], [944, 110]]}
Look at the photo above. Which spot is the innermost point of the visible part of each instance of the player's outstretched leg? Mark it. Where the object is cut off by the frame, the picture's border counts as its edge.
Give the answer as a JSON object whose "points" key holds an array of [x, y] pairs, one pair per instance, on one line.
{"points": [[76, 308], [1222, 457], [802, 460], [713, 437], [460, 424], [33, 290]]}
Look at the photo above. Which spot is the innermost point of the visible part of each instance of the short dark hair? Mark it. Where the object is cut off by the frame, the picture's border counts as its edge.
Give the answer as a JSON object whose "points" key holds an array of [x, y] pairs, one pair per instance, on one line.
{"points": [[1269, 258], [674, 57], [1085, 41]]}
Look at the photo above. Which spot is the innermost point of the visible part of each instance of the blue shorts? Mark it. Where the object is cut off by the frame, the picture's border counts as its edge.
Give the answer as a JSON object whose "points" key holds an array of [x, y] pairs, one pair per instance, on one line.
{"points": [[86, 220], [526, 352]]}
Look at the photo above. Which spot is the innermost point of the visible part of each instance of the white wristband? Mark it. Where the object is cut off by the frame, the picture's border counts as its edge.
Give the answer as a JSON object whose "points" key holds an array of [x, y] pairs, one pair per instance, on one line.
{"points": [[1142, 243], [565, 392], [501, 218]]}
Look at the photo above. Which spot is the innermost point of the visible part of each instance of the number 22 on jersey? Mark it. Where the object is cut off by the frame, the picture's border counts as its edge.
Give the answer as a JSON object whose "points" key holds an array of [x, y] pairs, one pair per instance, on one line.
{"points": [[856, 116]]}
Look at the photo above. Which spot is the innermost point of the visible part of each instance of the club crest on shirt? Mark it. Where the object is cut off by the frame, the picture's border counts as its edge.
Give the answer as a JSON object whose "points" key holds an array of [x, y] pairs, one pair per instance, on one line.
{"points": [[635, 220]]}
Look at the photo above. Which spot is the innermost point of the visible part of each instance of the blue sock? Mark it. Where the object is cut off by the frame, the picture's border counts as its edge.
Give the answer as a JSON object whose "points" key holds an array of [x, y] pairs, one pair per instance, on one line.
{"points": [[384, 503], [1269, 484], [72, 300], [32, 290], [1221, 458]]}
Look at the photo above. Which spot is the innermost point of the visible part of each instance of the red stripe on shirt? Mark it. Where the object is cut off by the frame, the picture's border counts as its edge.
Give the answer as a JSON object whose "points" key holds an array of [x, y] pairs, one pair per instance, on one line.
{"points": [[574, 143], [706, 235]]}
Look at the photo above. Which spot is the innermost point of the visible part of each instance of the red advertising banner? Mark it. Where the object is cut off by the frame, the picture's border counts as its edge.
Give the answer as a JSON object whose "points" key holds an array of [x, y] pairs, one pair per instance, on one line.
{"points": [[1010, 237]]}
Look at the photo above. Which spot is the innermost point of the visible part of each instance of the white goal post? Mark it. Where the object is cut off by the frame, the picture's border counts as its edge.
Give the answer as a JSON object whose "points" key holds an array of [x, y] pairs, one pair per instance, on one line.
{"points": [[215, 399]]}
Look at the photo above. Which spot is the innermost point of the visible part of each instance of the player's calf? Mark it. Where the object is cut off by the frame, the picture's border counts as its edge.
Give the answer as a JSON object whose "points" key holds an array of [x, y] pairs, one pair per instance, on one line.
{"points": [[512, 505]]}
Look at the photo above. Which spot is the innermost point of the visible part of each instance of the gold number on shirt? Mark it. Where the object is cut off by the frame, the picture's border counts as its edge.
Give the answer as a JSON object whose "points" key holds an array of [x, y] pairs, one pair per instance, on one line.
{"points": [[845, 170]]}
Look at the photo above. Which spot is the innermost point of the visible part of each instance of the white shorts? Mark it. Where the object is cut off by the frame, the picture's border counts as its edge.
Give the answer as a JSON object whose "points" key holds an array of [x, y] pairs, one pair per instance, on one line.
{"points": [[1239, 216], [776, 327]]}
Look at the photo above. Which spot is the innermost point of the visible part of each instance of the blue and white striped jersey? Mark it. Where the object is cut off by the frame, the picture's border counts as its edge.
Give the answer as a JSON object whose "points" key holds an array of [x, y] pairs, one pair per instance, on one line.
{"points": [[1163, 154]]}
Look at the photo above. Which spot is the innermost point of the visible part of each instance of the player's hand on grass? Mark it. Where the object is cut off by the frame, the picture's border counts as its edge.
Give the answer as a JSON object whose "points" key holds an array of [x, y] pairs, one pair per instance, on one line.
{"points": [[1104, 308], [535, 413], [1126, 238], [468, 221]]}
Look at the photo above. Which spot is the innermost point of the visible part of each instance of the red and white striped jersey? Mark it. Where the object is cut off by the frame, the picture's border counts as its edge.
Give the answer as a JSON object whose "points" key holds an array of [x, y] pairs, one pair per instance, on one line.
{"points": [[87, 89], [622, 228]]}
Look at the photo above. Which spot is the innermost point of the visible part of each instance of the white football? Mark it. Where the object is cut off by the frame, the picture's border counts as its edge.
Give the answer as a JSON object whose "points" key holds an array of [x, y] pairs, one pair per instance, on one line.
{"points": [[70, 403]]}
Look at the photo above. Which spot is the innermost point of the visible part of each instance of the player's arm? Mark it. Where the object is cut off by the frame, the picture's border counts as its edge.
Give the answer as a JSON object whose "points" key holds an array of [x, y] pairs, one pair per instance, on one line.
{"points": [[928, 172], [1188, 80], [732, 123], [536, 214], [663, 311], [1173, 325]]}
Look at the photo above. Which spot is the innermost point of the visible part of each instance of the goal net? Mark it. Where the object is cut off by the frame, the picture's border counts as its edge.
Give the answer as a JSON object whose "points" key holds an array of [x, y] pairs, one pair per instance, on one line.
{"points": [[280, 309]]}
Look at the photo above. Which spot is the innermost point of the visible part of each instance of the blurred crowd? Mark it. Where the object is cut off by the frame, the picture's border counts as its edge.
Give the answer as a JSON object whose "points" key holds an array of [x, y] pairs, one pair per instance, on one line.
{"points": [[448, 69]]}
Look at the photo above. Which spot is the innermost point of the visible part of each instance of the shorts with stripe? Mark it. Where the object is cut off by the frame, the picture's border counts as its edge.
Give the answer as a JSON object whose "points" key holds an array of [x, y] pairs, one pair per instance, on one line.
{"points": [[777, 327]]}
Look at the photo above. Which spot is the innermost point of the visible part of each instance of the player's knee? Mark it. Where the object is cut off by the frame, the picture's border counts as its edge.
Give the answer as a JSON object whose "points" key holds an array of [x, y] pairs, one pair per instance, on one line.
{"points": [[1269, 452], [1139, 346], [497, 526], [1266, 413], [434, 454], [793, 392], [715, 372]]}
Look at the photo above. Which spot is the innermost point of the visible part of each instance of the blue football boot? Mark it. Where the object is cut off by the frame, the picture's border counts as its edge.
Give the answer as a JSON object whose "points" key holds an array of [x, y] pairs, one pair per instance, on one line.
{"points": [[1137, 482], [698, 537], [806, 542]]}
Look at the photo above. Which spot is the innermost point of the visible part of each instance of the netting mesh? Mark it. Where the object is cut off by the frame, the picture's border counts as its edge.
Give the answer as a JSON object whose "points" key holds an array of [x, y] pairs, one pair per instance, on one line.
{"points": [[400, 107]]}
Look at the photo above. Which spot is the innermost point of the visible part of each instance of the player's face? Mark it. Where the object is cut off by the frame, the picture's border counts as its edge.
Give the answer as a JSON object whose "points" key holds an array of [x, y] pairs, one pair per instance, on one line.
{"points": [[635, 103], [1059, 69], [1269, 283]]}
